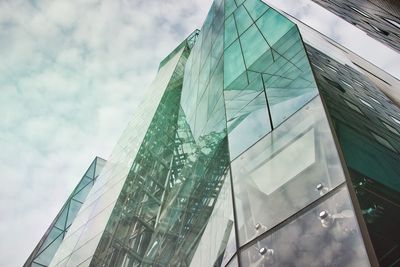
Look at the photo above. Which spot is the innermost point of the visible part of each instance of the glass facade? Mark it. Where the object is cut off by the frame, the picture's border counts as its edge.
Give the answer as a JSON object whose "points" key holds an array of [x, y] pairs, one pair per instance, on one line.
{"points": [[244, 154], [48, 245], [380, 19], [363, 121]]}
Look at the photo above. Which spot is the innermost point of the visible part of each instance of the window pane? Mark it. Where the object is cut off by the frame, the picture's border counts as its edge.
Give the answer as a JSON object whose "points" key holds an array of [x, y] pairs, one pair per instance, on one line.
{"points": [[267, 191], [218, 244], [299, 242]]}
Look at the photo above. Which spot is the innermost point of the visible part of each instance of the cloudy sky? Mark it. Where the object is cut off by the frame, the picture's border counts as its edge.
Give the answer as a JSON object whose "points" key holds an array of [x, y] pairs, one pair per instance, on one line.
{"points": [[72, 73]]}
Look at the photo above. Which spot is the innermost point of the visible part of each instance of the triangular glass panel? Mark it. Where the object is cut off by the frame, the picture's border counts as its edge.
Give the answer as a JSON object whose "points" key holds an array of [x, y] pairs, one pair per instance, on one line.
{"points": [[62, 218], [47, 255], [84, 182], [54, 233], [100, 163], [73, 211], [90, 171], [81, 195]]}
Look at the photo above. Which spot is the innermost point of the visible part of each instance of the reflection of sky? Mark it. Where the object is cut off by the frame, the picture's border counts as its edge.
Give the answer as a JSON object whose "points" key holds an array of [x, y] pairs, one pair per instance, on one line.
{"points": [[305, 242], [71, 75], [278, 176]]}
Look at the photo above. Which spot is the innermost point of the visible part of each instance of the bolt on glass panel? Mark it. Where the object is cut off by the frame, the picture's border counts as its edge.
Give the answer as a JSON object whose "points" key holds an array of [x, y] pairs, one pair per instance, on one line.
{"points": [[285, 171], [326, 235]]}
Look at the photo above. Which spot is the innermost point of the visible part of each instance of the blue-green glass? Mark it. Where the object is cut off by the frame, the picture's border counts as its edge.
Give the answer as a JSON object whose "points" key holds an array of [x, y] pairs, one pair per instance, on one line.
{"points": [[230, 6], [242, 19], [255, 8], [48, 246], [217, 244], [250, 125], [239, 2], [54, 233], [254, 47], [233, 55], [273, 26], [288, 81], [217, 50], [46, 256], [215, 87], [230, 31]]}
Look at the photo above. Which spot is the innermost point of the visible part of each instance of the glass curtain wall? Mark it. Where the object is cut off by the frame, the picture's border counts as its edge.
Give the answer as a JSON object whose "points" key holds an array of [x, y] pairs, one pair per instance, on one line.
{"points": [[50, 242], [364, 120]]}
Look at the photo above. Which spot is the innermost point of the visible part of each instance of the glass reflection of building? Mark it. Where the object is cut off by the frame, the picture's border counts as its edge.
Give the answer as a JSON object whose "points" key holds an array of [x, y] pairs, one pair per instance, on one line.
{"points": [[261, 143]]}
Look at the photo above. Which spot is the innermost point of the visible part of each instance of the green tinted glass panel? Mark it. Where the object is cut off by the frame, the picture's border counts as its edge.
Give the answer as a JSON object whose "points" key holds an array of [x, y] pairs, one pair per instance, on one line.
{"points": [[273, 26], [54, 233], [230, 6], [256, 8], [242, 18], [230, 31], [45, 257], [254, 46], [236, 67]]}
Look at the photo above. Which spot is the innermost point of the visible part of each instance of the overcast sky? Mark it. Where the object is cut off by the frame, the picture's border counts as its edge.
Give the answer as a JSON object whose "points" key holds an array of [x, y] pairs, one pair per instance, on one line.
{"points": [[72, 73]]}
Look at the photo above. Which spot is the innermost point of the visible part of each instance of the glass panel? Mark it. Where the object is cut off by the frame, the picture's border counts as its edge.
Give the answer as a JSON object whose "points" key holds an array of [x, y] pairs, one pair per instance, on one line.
{"points": [[218, 240], [81, 195], [90, 171], [95, 225], [100, 163], [68, 245], [230, 6], [383, 141], [289, 81], [255, 47], [266, 190], [273, 26], [233, 262], [255, 8], [74, 207], [54, 233], [232, 71], [248, 125], [83, 253], [85, 181], [62, 218], [243, 20], [230, 31], [327, 235], [46, 256]]}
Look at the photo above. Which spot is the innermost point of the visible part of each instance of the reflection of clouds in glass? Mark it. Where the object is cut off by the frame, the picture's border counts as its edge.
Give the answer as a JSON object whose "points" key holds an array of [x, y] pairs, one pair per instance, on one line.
{"points": [[304, 242], [278, 176]]}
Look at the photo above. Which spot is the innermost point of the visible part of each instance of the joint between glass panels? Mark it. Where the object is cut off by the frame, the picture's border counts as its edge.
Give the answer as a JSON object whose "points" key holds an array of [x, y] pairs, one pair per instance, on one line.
{"points": [[254, 23], [267, 103], [241, 49], [305, 104], [234, 218], [294, 216]]}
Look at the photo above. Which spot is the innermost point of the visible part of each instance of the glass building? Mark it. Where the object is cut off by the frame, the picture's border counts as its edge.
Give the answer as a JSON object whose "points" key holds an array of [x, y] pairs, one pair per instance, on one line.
{"points": [[51, 240], [261, 142], [378, 18]]}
